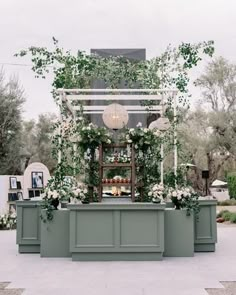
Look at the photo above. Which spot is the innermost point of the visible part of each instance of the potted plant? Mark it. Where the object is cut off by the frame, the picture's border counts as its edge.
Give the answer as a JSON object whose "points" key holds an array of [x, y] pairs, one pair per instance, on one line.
{"points": [[184, 197]]}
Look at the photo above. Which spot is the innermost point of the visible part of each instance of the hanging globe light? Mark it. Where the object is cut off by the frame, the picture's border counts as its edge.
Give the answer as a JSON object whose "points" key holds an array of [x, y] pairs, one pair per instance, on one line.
{"points": [[161, 124], [115, 116]]}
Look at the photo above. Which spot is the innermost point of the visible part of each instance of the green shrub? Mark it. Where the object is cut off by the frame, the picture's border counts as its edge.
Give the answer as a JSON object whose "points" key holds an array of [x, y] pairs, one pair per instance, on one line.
{"points": [[233, 218], [231, 180], [226, 216], [222, 212], [231, 202]]}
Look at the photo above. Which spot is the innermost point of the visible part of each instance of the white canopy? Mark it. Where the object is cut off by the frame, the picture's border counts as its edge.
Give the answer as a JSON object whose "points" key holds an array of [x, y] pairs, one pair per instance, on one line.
{"points": [[218, 182]]}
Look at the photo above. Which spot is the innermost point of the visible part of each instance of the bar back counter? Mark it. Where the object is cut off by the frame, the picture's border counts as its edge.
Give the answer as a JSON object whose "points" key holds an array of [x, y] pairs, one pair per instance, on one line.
{"points": [[115, 231]]}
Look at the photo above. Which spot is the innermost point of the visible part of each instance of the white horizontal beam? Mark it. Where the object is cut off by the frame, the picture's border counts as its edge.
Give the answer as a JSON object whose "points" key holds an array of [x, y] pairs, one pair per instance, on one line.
{"points": [[113, 97], [116, 90], [127, 107], [129, 112]]}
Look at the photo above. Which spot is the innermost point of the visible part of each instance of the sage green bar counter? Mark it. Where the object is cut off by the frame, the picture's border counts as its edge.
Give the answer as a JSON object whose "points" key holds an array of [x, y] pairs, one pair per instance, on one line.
{"points": [[124, 231], [179, 233], [55, 235], [205, 229], [28, 226]]}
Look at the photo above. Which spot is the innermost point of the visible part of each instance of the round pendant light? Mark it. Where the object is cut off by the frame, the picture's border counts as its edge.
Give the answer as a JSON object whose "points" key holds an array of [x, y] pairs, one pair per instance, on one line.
{"points": [[115, 116], [161, 124]]}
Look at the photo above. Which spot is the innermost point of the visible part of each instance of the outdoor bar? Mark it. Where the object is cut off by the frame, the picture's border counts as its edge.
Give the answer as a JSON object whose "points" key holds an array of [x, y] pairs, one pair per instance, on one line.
{"points": [[116, 218]]}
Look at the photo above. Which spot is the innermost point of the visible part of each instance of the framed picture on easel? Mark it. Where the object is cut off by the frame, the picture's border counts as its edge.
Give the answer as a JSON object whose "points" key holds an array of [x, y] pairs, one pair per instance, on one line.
{"points": [[37, 179], [13, 182]]}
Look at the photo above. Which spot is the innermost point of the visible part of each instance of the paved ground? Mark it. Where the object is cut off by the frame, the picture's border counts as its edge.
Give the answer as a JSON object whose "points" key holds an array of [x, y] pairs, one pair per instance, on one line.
{"points": [[172, 276]]}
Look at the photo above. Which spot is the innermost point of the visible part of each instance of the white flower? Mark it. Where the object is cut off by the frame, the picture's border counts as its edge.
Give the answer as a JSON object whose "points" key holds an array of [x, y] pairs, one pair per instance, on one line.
{"points": [[174, 194], [109, 141], [145, 130], [186, 194], [13, 215], [129, 141], [77, 191], [149, 194], [54, 194], [139, 124], [157, 132]]}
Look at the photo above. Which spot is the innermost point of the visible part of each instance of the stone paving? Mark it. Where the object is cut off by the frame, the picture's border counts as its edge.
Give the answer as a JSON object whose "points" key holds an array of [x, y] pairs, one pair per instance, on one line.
{"points": [[4, 291], [229, 289], [172, 276]]}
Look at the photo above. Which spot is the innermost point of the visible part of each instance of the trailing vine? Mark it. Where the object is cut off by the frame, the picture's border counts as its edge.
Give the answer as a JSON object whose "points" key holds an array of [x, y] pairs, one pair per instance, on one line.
{"points": [[72, 139]]}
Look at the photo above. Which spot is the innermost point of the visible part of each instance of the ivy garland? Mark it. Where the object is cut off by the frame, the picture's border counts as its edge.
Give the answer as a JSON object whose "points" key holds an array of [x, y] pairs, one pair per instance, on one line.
{"points": [[169, 70]]}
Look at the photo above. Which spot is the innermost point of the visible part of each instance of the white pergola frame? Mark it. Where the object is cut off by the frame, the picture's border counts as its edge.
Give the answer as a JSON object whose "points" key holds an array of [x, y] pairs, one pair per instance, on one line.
{"points": [[69, 95]]}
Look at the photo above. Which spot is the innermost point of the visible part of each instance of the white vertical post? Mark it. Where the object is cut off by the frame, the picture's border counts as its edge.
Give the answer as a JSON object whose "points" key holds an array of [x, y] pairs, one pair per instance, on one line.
{"points": [[60, 131], [162, 146], [74, 149], [175, 136], [162, 163]]}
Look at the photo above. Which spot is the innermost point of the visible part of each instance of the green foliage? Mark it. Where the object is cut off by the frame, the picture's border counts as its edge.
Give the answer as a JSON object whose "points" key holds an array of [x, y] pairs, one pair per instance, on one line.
{"points": [[231, 180], [146, 145], [221, 213], [171, 180], [8, 221], [184, 197], [226, 216], [11, 102], [233, 217], [37, 145], [92, 136], [169, 70], [231, 202], [219, 84]]}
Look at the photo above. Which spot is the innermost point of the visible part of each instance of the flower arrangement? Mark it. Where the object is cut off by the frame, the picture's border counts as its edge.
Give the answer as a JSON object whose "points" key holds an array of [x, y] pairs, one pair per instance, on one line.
{"points": [[91, 136], [119, 158], [184, 197], [56, 190], [81, 193], [142, 138], [157, 193], [147, 147], [8, 221]]}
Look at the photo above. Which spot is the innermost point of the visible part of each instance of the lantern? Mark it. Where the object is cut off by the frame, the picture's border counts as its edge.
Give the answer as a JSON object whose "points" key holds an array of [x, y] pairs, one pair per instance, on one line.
{"points": [[161, 124], [115, 116]]}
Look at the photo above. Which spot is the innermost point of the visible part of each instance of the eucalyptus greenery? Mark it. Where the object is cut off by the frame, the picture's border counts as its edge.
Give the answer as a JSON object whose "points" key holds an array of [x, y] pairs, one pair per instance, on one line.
{"points": [[73, 140], [169, 70], [146, 143]]}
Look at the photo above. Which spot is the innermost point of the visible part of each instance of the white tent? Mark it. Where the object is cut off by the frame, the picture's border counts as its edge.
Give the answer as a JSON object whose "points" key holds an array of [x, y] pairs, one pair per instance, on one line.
{"points": [[218, 182]]}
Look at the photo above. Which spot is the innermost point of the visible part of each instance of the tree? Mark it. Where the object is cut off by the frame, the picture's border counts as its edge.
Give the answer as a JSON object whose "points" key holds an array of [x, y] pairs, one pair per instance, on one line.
{"points": [[11, 102], [209, 136], [37, 140], [218, 85]]}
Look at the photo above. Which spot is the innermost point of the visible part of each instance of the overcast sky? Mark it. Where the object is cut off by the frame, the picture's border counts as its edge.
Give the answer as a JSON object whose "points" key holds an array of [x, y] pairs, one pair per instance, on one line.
{"points": [[85, 24]]}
